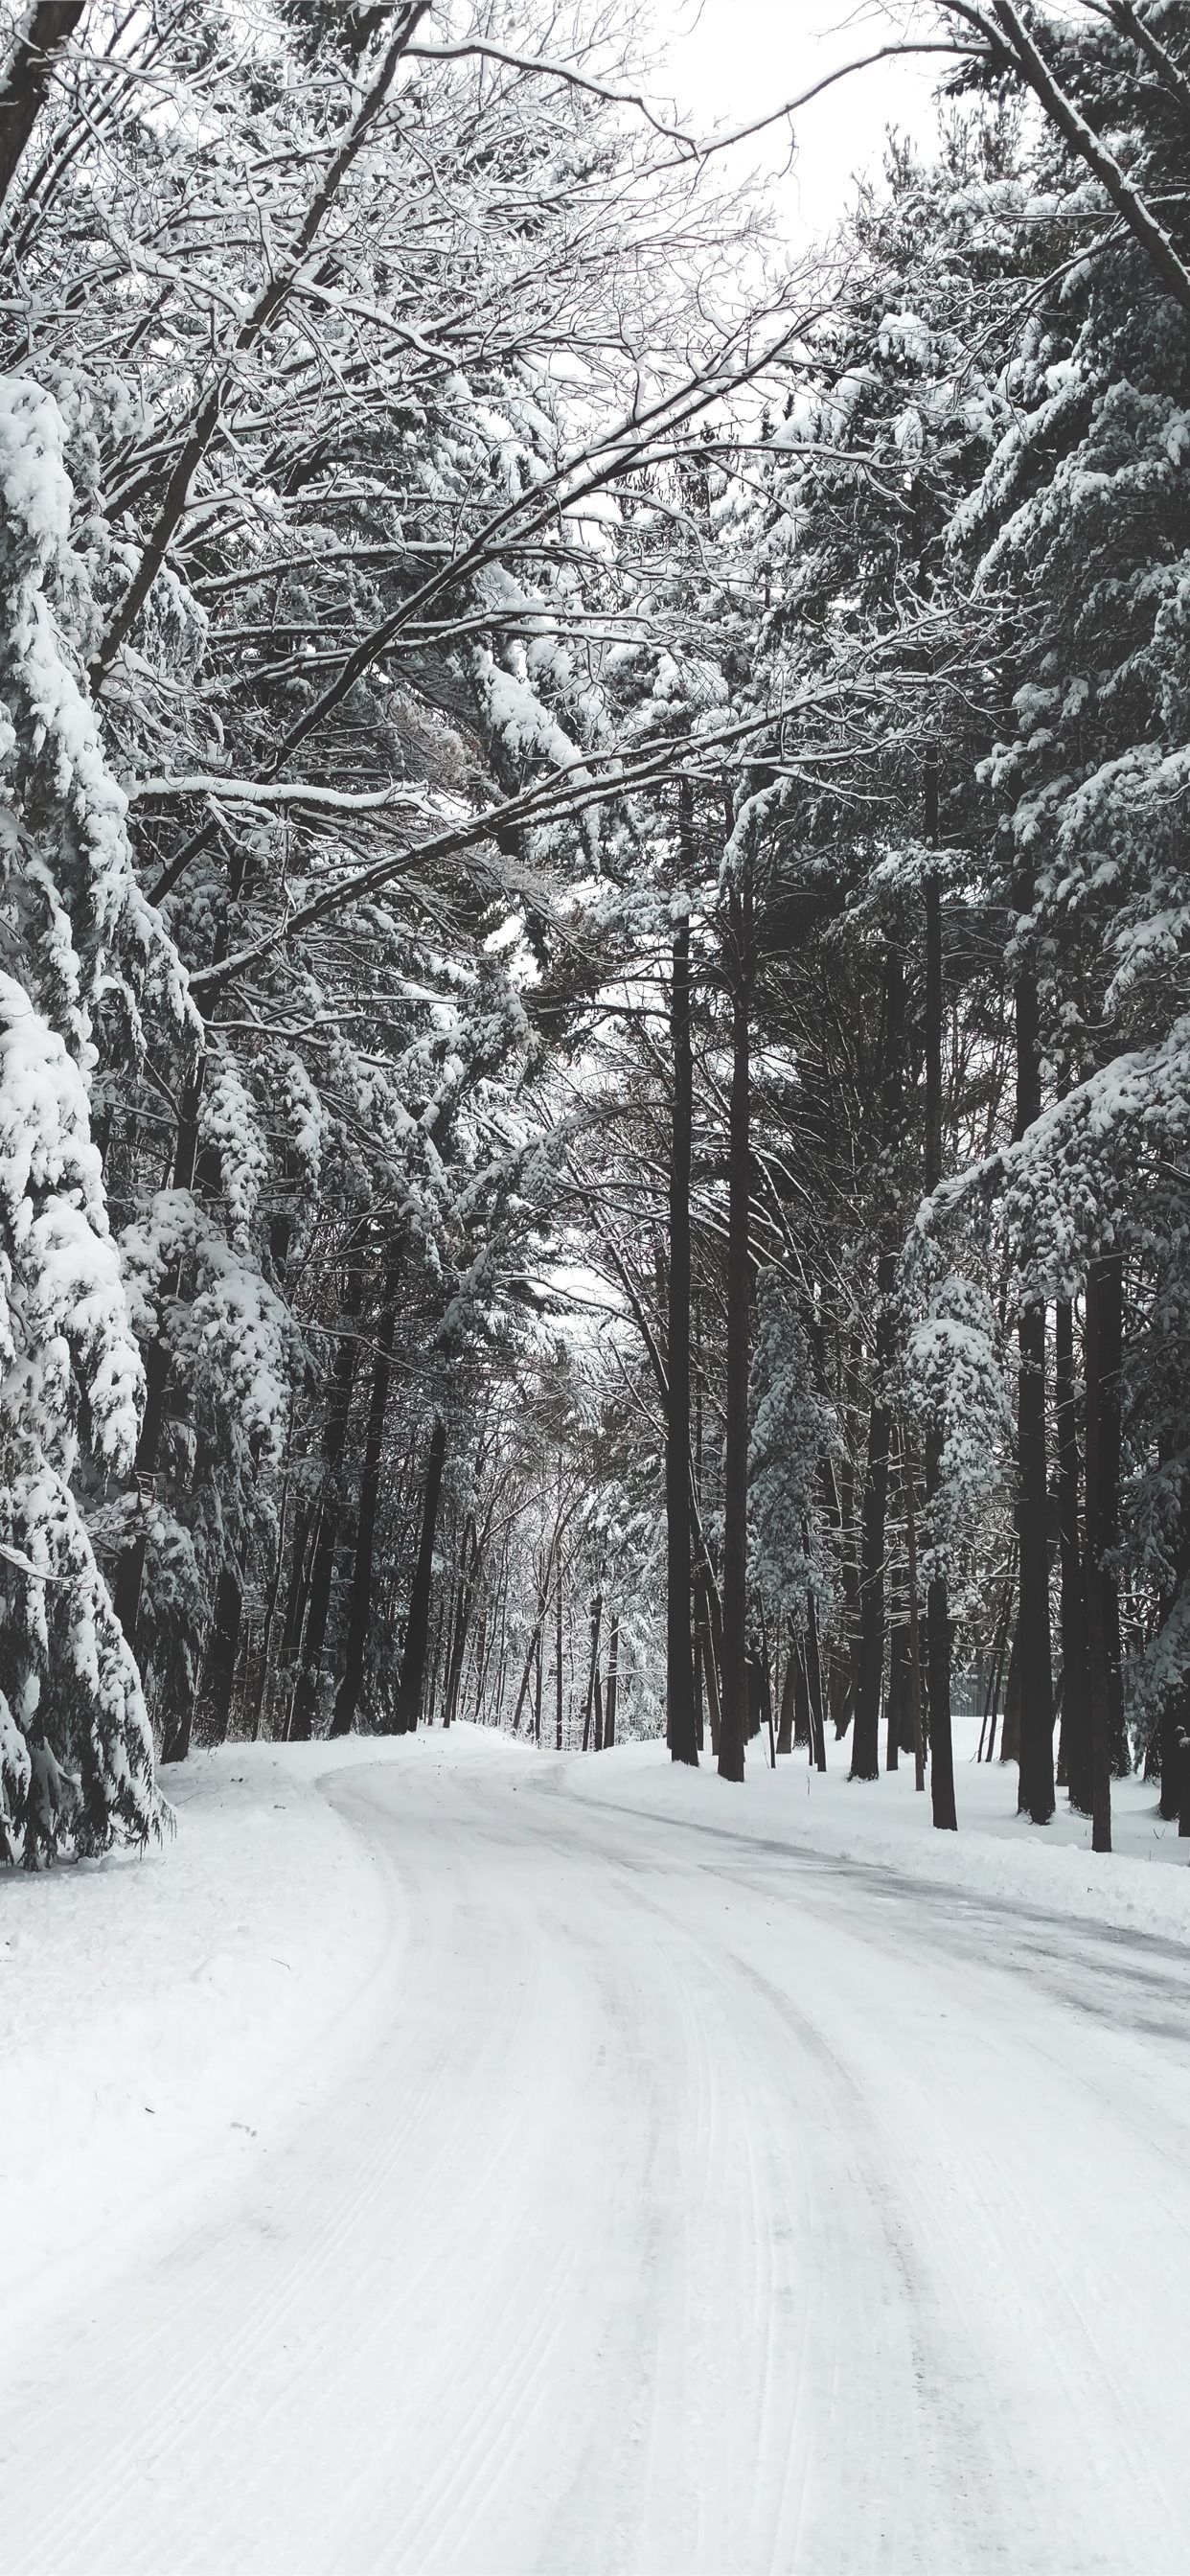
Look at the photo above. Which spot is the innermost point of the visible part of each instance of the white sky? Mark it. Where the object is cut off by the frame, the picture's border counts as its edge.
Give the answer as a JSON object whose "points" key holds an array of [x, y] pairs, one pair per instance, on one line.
{"points": [[730, 60]]}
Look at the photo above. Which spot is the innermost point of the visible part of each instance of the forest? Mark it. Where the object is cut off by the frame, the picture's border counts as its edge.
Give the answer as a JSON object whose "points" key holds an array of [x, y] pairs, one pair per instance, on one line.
{"points": [[594, 905]]}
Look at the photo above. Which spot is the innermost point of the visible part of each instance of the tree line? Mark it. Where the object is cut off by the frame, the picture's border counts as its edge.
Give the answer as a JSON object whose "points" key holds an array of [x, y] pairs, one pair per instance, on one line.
{"points": [[593, 1041]]}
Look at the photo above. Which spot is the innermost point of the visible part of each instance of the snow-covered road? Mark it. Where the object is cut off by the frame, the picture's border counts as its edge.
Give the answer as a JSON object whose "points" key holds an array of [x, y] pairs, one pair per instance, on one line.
{"points": [[680, 2201]]}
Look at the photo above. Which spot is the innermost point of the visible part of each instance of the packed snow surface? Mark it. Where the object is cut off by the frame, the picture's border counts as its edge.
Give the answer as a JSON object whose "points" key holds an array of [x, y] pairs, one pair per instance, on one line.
{"points": [[446, 2157]]}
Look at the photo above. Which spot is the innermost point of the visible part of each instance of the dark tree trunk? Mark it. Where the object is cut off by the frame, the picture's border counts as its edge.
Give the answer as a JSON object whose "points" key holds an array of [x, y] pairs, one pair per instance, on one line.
{"points": [[179, 1726], [1074, 1739], [322, 1570], [938, 1639], [222, 1656], [1175, 1713], [417, 1626], [709, 1659], [681, 1727], [1104, 1333], [264, 1660], [1034, 1676], [322, 1575], [814, 1684], [444, 1649], [1034, 1668], [218, 1680], [916, 1710], [733, 1716], [470, 1557], [49, 30], [938, 1627], [999, 1650], [898, 1694], [865, 1734], [1173, 1723], [360, 1605], [613, 1683], [794, 1721], [305, 1529], [593, 1674], [843, 1696], [558, 1667], [795, 1701], [754, 1694], [501, 1651], [443, 1634], [701, 1641], [1010, 1732], [865, 1737]]}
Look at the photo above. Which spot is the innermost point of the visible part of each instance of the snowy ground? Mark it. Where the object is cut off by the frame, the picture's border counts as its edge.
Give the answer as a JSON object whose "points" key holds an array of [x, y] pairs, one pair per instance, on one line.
{"points": [[886, 1822], [468, 2160]]}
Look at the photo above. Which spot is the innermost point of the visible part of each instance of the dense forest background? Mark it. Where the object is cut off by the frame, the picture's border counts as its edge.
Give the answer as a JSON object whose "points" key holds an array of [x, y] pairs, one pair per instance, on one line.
{"points": [[594, 1040]]}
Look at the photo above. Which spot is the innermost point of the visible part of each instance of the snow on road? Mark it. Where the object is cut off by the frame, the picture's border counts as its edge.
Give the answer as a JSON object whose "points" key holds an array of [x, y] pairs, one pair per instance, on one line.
{"points": [[650, 2193]]}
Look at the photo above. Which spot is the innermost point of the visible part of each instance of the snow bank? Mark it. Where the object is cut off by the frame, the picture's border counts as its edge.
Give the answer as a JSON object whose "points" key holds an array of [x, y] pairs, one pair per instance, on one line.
{"points": [[1143, 1885], [158, 2015]]}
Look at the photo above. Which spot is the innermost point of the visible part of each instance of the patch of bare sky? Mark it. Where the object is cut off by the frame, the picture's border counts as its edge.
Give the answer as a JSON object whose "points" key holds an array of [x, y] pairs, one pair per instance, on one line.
{"points": [[728, 62]]}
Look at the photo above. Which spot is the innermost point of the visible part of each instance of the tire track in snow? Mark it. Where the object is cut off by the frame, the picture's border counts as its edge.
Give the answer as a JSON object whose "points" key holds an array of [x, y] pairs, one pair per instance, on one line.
{"points": [[659, 2227]]}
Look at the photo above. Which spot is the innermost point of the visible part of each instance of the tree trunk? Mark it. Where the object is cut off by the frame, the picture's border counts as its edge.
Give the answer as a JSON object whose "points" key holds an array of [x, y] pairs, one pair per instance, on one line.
{"points": [[1104, 1327], [709, 1660], [938, 1627], [502, 1650], [1074, 1739], [1175, 1712], [919, 1740], [865, 1735], [299, 1579], [558, 1668], [360, 1605], [1034, 1672], [766, 1708], [794, 1722], [1034, 1669], [898, 1693], [814, 1684], [218, 1679], [222, 1655], [733, 1716], [865, 1738], [443, 1640], [470, 1558], [681, 1728], [270, 1616], [700, 1637], [1010, 1732], [48, 32], [999, 1649], [305, 1696], [843, 1695], [593, 1675], [417, 1626], [613, 1683]]}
